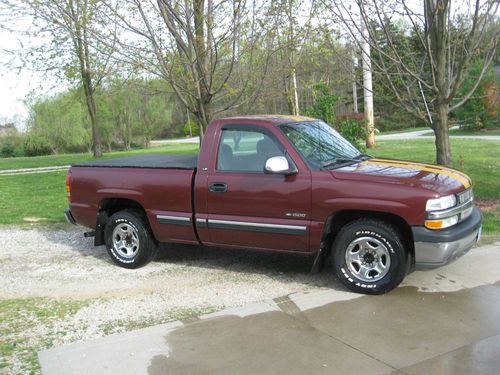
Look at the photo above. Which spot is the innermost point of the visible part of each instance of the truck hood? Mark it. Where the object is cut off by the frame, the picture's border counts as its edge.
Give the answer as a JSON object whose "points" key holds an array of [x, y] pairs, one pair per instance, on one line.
{"points": [[436, 178]]}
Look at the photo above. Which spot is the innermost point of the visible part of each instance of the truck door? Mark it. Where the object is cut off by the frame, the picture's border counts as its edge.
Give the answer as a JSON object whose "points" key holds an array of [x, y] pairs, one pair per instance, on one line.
{"points": [[247, 207]]}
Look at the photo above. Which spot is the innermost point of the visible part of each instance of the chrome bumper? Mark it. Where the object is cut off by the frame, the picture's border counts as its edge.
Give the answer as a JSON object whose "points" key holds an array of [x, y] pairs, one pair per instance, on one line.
{"points": [[437, 248]]}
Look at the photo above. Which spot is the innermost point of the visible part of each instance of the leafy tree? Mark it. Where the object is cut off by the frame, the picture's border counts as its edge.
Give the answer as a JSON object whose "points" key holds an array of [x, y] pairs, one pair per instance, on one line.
{"points": [[60, 123], [322, 107], [63, 40], [480, 111], [432, 74]]}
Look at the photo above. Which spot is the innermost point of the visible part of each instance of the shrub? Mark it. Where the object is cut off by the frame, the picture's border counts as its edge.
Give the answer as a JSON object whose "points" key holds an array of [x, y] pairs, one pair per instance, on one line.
{"points": [[11, 145], [322, 107], [195, 128], [35, 145], [354, 131]]}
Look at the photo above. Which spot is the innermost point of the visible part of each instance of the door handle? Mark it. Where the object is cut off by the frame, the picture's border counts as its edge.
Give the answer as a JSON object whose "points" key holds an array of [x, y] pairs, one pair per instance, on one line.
{"points": [[218, 187]]}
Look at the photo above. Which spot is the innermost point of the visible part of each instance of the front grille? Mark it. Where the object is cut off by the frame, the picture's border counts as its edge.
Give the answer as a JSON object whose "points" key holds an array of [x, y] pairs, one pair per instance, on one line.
{"points": [[465, 196]]}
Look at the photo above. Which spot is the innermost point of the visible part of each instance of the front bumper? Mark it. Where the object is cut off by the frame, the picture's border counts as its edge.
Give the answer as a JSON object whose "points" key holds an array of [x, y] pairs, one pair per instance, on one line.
{"points": [[437, 248]]}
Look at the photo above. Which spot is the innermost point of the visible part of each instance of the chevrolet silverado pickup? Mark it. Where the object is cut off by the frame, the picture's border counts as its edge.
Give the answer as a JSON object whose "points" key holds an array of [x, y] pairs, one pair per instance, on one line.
{"points": [[280, 183]]}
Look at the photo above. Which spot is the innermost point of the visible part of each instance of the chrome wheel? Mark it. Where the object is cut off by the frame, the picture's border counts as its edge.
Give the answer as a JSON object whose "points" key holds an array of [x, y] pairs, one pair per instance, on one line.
{"points": [[125, 240], [368, 259]]}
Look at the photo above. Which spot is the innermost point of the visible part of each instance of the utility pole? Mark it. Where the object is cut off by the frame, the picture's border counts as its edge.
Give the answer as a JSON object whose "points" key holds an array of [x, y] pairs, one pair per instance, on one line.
{"points": [[367, 86], [354, 86]]}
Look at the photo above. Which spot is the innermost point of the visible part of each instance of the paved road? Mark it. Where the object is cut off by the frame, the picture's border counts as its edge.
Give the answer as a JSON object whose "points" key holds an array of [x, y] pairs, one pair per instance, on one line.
{"points": [[160, 142], [427, 134], [405, 135], [438, 322]]}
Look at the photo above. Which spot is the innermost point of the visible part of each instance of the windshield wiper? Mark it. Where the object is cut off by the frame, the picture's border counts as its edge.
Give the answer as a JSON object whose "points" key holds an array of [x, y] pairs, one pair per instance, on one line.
{"points": [[338, 161], [363, 157]]}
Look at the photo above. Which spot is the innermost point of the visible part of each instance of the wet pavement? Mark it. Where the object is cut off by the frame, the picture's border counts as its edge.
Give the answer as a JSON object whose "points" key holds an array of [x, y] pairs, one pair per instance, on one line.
{"points": [[445, 321]]}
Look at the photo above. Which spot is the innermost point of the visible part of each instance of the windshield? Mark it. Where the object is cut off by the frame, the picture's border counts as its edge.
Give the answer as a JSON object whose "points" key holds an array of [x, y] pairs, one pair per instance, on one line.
{"points": [[319, 144]]}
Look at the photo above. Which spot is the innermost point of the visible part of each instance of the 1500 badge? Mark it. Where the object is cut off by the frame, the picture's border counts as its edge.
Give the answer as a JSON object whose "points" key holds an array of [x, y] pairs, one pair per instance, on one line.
{"points": [[295, 214]]}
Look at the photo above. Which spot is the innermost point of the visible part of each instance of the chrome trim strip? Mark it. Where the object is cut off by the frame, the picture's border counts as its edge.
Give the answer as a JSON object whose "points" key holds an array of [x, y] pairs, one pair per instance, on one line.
{"points": [[450, 211], [201, 223], [257, 227], [169, 219]]}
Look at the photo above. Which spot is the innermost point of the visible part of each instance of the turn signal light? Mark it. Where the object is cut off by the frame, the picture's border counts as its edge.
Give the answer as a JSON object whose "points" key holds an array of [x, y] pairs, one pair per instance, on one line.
{"points": [[441, 224]]}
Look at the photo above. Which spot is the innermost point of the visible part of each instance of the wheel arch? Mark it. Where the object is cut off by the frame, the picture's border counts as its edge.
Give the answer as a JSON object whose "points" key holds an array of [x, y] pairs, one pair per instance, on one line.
{"points": [[108, 207], [337, 220]]}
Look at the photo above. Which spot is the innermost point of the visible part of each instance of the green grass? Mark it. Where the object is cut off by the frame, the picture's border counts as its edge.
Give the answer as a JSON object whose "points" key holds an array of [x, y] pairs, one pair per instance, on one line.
{"points": [[491, 222], [67, 159], [41, 196], [479, 159]]}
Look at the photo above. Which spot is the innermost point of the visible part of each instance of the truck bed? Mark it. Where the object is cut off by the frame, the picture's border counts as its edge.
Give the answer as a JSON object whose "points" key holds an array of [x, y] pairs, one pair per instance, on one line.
{"points": [[155, 161]]}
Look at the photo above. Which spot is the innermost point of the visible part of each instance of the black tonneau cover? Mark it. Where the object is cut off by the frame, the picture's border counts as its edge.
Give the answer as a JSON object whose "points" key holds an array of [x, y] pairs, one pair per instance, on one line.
{"points": [[160, 161]]}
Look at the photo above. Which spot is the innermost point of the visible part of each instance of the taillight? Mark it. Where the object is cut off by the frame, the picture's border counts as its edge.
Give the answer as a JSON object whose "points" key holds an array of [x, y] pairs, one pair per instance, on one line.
{"points": [[68, 185]]}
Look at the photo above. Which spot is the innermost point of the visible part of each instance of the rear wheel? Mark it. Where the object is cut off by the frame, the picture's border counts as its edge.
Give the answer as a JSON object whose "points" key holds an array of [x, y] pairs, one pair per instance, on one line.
{"points": [[129, 241], [369, 256]]}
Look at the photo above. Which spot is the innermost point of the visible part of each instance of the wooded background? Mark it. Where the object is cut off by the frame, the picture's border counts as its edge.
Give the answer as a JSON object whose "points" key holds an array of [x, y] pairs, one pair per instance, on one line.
{"points": [[138, 70]]}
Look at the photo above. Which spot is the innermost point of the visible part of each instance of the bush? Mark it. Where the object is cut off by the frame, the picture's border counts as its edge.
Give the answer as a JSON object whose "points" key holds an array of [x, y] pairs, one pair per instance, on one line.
{"points": [[11, 145], [481, 110], [322, 107], [36, 146], [195, 128], [354, 131]]}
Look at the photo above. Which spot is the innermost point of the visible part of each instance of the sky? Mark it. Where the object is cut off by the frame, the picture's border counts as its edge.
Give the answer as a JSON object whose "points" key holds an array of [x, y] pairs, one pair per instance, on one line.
{"points": [[14, 85]]}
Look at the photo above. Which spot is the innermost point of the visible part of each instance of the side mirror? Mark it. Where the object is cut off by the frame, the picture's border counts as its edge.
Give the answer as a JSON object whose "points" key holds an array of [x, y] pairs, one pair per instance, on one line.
{"points": [[279, 165]]}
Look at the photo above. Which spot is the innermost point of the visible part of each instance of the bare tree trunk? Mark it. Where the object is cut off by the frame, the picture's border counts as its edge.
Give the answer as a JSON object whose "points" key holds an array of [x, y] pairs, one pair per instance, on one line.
{"points": [[90, 100], [443, 149], [368, 89]]}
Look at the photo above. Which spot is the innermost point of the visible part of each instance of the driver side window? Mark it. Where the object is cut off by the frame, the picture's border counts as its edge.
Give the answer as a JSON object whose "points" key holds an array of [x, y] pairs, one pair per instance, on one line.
{"points": [[245, 150]]}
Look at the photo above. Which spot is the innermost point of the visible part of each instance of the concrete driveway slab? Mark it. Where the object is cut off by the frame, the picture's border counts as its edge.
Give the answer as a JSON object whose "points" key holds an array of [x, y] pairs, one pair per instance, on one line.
{"points": [[443, 321], [269, 343], [480, 358], [406, 326]]}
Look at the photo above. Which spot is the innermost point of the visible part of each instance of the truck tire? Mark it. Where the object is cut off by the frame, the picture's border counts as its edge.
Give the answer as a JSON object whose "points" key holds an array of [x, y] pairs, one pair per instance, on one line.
{"points": [[369, 256], [129, 241]]}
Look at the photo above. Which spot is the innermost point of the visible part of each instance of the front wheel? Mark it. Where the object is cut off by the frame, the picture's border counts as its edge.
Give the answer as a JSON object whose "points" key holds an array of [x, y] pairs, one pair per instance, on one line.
{"points": [[369, 256], [129, 241]]}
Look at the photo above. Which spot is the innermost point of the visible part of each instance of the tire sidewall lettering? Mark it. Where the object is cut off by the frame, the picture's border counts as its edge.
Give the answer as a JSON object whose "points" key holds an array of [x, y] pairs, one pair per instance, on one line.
{"points": [[388, 236], [112, 250]]}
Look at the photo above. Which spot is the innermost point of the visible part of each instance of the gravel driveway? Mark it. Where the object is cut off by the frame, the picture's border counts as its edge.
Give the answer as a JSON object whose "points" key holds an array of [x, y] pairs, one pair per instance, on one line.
{"points": [[58, 288]]}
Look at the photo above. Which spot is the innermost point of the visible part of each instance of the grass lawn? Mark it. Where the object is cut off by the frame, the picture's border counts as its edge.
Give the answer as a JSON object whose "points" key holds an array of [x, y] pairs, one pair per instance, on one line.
{"points": [[480, 159], [67, 159], [42, 197]]}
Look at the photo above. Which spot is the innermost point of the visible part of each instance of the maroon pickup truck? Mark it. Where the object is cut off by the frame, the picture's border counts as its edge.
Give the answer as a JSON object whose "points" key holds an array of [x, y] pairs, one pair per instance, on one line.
{"points": [[280, 183]]}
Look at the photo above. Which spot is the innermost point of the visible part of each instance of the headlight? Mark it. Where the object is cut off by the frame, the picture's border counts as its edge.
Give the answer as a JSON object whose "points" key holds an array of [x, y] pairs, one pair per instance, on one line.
{"points": [[441, 203]]}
